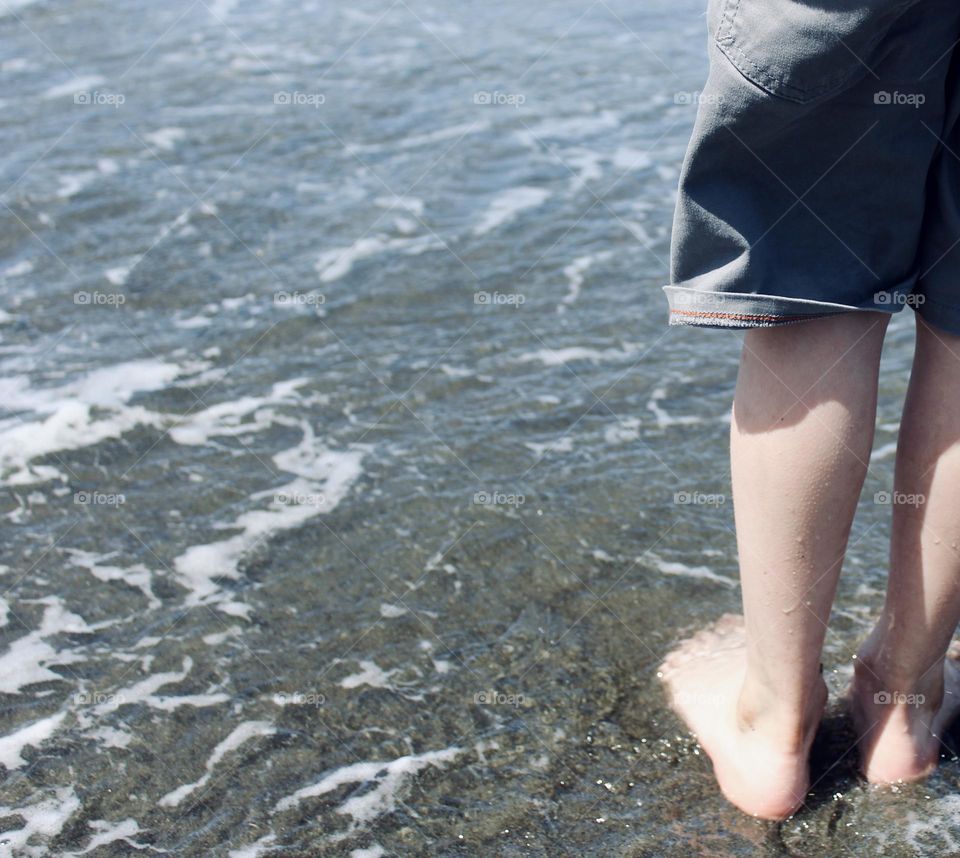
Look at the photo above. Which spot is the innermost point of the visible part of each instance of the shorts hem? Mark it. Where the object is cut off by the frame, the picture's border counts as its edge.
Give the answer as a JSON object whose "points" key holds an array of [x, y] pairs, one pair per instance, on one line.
{"points": [[946, 317], [699, 308]]}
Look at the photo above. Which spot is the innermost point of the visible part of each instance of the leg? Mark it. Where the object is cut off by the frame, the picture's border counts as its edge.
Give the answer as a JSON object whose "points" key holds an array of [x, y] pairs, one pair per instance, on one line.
{"points": [[801, 436], [904, 691]]}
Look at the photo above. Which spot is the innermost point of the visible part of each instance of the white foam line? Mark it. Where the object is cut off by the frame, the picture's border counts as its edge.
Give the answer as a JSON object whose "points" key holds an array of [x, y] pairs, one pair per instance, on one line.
{"points": [[112, 832], [240, 734], [561, 445], [28, 659], [145, 690], [197, 701], [390, 611], [32, 735], [626, 158], [110, 737], [324, 477], [94, 408], [574, 273], [333, 264], [138, 575], [72, 183], [415, 140], [18, 269], [624, 430], [570, 127], [663, 419], [668, 567], [44, 818], [77, 83], [225, 418], [369, 674], [506, 206], [71, 424], [389, 779], [587, 164], [375, 851], [414, 205], [557, 357], [166, 138], [117, 275]]}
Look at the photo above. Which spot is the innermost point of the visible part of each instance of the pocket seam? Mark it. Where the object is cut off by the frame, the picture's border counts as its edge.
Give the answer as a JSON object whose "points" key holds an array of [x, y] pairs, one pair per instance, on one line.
{"points": [[779, 86]]}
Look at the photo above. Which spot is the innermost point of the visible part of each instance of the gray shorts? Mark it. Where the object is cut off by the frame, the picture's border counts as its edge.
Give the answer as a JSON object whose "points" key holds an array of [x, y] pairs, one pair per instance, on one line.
{"points": [[823, 174]]}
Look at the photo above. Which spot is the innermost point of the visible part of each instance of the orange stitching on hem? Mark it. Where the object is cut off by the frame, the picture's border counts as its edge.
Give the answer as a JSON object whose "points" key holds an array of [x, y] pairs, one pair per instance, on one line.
{"points": [[741, 316]]}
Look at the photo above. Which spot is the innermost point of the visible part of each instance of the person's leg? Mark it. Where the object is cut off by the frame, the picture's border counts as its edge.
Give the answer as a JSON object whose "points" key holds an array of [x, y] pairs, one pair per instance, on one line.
{"points": [[801, 435], [904, 692]]}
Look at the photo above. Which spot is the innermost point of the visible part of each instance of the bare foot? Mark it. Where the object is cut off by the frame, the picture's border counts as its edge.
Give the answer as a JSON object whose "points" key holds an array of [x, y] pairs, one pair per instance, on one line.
{"points": [[760, 764], [900, 726]]}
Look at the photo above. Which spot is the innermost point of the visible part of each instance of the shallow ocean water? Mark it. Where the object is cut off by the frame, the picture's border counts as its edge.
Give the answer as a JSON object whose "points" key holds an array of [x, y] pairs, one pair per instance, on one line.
{"points": [[347, 459]]}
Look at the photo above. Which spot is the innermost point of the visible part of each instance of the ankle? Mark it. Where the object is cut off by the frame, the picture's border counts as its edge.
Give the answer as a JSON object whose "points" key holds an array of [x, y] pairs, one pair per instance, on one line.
{"points": [[792, 723]]}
